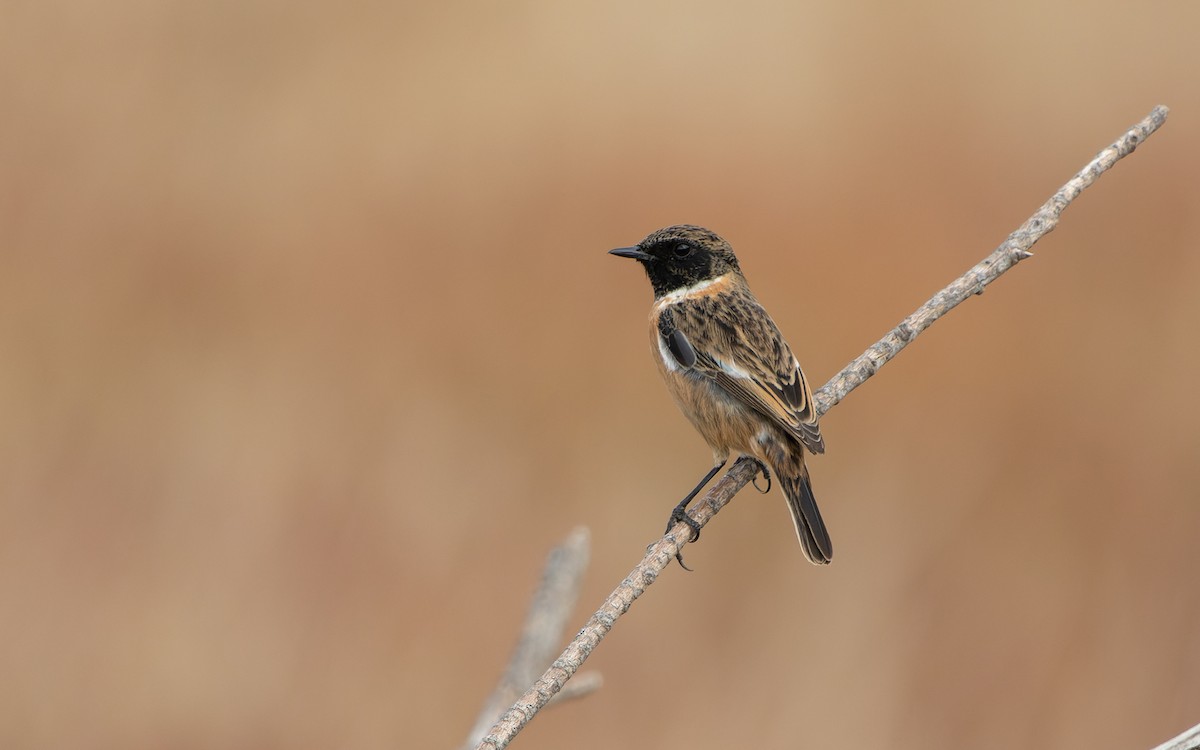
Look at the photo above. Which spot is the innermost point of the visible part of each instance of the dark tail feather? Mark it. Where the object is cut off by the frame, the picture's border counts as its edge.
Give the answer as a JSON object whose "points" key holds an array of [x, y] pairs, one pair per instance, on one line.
{"points": [[814, 539]]}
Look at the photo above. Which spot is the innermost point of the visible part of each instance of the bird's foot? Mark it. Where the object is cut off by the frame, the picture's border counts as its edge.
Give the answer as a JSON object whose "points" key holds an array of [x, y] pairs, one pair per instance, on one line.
{"points": [[766, 474], [680, 515]]}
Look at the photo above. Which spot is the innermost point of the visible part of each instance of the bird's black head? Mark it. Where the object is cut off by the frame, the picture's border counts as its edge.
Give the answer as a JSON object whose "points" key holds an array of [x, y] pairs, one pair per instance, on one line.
{"points": [[681, 256]]}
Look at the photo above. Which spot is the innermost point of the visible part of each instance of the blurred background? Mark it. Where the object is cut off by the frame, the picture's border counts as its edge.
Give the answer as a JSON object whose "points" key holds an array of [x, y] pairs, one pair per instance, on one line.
{"points": [[310, 350]]}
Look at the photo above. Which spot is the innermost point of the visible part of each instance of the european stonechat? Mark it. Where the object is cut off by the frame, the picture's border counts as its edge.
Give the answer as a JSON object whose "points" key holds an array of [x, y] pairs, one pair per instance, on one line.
{"points": [[730, 371]]}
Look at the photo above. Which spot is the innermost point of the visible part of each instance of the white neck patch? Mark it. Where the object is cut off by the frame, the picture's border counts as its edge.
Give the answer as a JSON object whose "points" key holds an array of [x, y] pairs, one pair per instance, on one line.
{"points": [[689, 291]]}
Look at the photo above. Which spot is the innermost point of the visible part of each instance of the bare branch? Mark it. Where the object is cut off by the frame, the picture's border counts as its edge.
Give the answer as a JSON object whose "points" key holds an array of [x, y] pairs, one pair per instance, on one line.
{"points": [[1012, 251], [659, 554], [543, 630], [1189, 740]]}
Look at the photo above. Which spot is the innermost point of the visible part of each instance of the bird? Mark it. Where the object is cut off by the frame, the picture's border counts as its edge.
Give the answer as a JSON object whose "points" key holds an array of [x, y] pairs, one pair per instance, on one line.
{"points": [[731, 372]]}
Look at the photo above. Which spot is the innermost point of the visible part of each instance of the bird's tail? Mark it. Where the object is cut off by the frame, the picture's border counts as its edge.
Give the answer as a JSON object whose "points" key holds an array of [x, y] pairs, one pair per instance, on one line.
{"points": [[814, 539]]}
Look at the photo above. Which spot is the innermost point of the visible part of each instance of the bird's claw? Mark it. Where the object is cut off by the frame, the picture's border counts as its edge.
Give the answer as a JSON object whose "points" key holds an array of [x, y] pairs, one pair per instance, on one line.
{"points": [[680, 515], [766, 474]]}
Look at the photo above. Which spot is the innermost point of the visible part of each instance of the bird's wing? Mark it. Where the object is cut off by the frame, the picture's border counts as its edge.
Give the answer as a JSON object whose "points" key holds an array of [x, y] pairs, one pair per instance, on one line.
{"points": [[730, 339]]}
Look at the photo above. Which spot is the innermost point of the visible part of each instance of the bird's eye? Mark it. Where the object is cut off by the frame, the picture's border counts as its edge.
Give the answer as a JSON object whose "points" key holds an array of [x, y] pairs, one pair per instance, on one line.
{"points": [[682, 250]]}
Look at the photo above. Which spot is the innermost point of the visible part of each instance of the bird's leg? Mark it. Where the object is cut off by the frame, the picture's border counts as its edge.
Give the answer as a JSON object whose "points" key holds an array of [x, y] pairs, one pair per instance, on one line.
{"points": [[679, 514]]}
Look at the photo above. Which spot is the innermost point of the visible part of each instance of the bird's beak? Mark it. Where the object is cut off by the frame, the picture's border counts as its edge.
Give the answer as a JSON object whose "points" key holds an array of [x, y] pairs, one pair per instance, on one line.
{"points": [[630, 252]]}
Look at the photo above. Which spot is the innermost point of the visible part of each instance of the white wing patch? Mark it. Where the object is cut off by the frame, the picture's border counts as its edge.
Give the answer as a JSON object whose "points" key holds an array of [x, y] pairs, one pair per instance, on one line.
{"points": [[732, 370]]}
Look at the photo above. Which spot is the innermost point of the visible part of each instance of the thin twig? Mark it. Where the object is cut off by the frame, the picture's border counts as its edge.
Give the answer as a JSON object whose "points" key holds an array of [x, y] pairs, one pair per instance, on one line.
{"points": [[660, 554], [542, 632], [581, 686]]}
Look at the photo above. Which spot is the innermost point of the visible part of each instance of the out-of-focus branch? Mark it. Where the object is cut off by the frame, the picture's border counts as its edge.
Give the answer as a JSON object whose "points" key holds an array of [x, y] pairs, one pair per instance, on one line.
{"points": [[659, 555], [542, 632]]}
